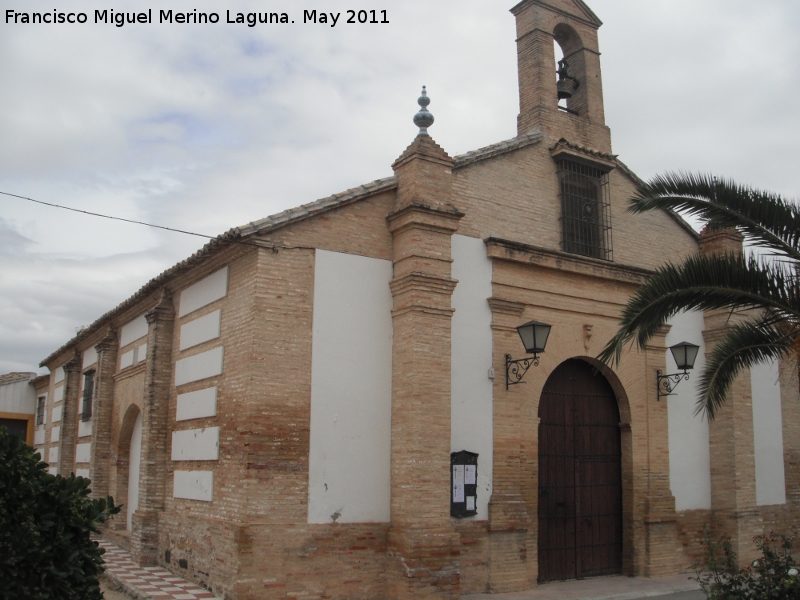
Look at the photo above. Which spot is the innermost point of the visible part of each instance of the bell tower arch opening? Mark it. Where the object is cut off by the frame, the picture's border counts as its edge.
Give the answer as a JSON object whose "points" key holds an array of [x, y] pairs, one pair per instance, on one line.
{"points": [[570, 69]]}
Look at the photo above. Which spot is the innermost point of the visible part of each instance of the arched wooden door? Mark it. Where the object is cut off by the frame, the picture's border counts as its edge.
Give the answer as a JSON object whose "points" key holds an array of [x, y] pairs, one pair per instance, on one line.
{"points": [[580, 475]]}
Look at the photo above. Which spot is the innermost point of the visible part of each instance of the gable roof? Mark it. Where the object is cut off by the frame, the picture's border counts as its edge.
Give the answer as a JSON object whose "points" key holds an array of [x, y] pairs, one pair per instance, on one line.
{"points": [[580, 10]]}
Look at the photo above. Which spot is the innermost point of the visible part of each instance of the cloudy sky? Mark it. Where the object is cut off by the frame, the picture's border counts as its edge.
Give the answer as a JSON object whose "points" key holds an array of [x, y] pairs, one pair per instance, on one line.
{"points": [[208, 127]]}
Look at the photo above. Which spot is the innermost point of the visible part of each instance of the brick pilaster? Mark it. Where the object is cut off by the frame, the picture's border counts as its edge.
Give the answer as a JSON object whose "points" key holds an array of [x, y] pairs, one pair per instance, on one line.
{"points": [[423, 546], [732, 452], [69, 417], [659, 518], [509, 520], [155, 413], [102, 405]]}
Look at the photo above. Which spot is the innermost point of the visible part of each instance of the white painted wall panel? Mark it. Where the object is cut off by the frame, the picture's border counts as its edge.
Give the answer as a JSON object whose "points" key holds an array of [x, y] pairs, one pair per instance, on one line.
{"points": [[199, 366], [52, 455], [351, 390], [38, 437], [18, 397], [204, 292], [471, 408], [57, 414], [84, 428], [59, 375], [134, 469], [194, 485], [196, 444], [55, 434], [201, 330], [82, 473], [768, 434], [126, 360], [689, 454], [133, 331], [195, 405], [83, 453], [58, 396], [53, 470], [89, 357], [141, 353]]}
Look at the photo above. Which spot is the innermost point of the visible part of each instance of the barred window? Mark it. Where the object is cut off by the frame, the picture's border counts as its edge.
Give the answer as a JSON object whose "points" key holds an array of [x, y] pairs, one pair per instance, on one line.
{"points": [[585, 210], [88, 393], [40, 402]]}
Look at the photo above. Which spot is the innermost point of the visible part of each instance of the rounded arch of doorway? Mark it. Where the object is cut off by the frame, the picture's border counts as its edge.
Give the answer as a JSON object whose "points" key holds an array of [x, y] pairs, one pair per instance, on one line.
{"points": [[626, 441], [123, 465]]}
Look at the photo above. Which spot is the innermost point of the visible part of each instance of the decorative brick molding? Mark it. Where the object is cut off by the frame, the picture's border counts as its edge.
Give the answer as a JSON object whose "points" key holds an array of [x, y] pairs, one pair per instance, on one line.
{"points": [[155, 427], [102, 408], [69, 416]]}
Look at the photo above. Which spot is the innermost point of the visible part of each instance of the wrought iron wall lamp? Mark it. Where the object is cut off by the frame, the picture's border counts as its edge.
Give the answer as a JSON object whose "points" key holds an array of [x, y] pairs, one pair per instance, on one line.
{"points": [[534, 337], [684, 354]]}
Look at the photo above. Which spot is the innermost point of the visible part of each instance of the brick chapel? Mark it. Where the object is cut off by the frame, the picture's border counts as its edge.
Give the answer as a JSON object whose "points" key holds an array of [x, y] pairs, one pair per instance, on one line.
{"points": [[318, 404]]}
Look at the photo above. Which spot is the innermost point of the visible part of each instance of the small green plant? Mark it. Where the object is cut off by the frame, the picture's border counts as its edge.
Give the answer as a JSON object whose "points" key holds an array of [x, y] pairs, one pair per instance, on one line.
{"points": [[774, 576], [46, 522]]}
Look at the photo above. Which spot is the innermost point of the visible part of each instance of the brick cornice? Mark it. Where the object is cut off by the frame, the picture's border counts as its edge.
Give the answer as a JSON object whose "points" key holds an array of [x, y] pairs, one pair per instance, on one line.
{"points": [[420, 282], [163, 311], [500, 249], [73, 365], [420, 214], [108, 342], [506, 307]]}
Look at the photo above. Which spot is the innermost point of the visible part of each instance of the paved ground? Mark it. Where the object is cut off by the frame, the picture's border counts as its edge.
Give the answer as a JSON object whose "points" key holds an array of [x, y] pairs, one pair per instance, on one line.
{"points": [[125, 580], [146, 583]]}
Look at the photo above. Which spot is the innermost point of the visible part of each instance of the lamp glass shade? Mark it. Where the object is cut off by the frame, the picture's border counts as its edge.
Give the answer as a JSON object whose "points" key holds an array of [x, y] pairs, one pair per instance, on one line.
{"points": [[685, 354], [534, 336]]}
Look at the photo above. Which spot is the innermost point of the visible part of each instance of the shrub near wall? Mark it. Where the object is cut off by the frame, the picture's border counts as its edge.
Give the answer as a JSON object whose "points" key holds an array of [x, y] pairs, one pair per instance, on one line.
{"points": [[46, 522], [774, 576]]}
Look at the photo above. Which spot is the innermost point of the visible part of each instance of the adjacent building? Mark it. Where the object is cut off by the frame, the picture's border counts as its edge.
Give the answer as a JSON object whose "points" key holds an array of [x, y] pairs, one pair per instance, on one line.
{"points": [[277, 412]]}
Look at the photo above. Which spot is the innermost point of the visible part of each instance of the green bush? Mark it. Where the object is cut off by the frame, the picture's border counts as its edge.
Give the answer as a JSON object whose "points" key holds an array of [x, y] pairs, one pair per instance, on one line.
{"points": [[46, 522], [774, 576]]}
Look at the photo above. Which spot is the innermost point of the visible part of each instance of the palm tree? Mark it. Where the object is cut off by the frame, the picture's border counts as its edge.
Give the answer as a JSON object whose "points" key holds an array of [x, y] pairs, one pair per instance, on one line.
{"points": [[765, 288]]}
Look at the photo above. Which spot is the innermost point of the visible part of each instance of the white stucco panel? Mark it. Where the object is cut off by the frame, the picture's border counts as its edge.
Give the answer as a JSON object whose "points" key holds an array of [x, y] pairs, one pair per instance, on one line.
{"points": [[52, 456], [201, 330], [133, 331], [196, 405], [141, 353], [18, 397], [89, 357], [82, 473], [84, 428], [196, 444], [83, 453], [204, 292], [199, 366], [193, 485], [58, 396], [38, 437], [57, 414], [689, 454], [471, 408], [59, 375], [768, 434], [126, 360], [351, 390], [55, 434], [53, 470]]}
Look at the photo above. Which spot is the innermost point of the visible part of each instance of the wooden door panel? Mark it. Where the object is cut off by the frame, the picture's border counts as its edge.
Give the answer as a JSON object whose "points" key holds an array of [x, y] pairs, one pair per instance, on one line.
{"points": [[580, 485]]}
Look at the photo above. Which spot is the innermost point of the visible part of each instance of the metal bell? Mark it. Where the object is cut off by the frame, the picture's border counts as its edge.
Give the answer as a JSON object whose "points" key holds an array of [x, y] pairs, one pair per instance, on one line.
{"points": [[566, 85]]}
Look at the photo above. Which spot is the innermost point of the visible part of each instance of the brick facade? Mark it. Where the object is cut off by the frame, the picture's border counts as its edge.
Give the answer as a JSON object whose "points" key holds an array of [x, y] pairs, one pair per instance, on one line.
{"points": [[248, 535]]}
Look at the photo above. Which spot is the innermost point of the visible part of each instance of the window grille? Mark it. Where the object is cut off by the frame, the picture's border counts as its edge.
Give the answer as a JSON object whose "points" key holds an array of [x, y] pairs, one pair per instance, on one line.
{"points": [[585, 210], [40, 410], [88, 393]]}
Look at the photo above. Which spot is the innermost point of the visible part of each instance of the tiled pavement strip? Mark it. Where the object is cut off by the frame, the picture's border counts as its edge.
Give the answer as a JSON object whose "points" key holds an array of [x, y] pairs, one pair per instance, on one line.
{"points": [[156, 583], [146, 583]]}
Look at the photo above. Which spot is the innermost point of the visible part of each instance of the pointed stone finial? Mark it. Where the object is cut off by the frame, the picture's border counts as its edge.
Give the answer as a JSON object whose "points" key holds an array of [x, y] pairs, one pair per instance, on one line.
{"points": [[423, 119]]}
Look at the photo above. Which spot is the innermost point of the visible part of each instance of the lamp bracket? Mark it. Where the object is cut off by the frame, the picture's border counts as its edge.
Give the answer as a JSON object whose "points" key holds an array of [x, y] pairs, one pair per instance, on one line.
{"points": [[516, 369], [667, 383]]}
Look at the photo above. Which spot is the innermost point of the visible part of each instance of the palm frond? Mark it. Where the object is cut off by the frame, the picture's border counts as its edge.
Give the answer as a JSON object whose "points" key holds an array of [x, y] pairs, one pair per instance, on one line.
{"points": [[704, 283], [744, 346], [763, 217]]}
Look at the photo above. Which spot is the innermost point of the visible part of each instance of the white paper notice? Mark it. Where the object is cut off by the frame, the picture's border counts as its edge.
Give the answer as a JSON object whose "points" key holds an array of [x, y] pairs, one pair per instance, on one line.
{"points": [[471, 471], [458, 483], [470, 502]]}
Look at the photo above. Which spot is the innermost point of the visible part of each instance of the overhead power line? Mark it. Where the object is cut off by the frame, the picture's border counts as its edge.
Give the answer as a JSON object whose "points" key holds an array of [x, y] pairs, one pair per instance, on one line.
{"points": [[165, 228]]}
